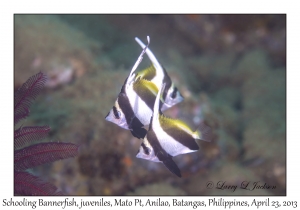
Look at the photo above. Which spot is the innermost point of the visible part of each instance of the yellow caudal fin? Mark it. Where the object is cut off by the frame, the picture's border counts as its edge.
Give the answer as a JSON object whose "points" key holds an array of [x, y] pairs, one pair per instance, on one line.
{"points": [[204, 132]]}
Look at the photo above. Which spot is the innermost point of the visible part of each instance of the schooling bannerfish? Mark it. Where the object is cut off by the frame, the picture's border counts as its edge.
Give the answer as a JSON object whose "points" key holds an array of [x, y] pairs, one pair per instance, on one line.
{"points": [[169, 137], [134, 105], [158, 75]]}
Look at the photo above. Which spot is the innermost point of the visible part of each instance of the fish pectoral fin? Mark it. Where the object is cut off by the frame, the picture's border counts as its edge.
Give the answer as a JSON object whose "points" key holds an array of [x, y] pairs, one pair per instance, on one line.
{"points": [[172, 166]]}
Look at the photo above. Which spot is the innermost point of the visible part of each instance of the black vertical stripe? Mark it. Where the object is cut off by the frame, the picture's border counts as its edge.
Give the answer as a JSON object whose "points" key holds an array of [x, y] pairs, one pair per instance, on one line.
{"points": [[174, 93], [158, 150], [116, 113], [183, 138], [146, 149], [154, 142], [161, 154], [146, 95], [138, 132], [171, 165], [132, 121], [167, 81]]}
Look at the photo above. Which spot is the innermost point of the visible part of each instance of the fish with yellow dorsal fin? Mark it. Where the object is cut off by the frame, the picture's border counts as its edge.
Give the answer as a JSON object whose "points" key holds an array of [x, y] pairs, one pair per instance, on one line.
{"points": [[134, 105], [169, 137], [157, 74]]}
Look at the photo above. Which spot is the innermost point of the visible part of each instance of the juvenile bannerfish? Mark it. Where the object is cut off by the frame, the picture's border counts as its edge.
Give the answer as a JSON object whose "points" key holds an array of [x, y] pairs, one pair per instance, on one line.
{"points": [[168, 137], [158, 75], [134, 105]]}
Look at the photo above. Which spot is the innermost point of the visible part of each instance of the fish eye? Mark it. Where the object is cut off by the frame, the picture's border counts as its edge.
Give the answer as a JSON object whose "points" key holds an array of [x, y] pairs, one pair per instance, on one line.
{"points": [[117, 113], [174, 93], [145, 149]]}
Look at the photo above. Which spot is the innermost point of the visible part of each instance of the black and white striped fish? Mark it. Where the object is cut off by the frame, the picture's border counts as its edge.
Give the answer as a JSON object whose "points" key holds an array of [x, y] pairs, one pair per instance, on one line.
{"points": [[134, 106], [158, 75], [169, 137]]}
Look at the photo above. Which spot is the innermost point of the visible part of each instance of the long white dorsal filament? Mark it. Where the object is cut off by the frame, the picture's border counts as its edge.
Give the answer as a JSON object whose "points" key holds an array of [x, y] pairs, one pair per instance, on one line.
{"points": [[159, 72], [149, 53], [139, 60], [156, 104]]}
